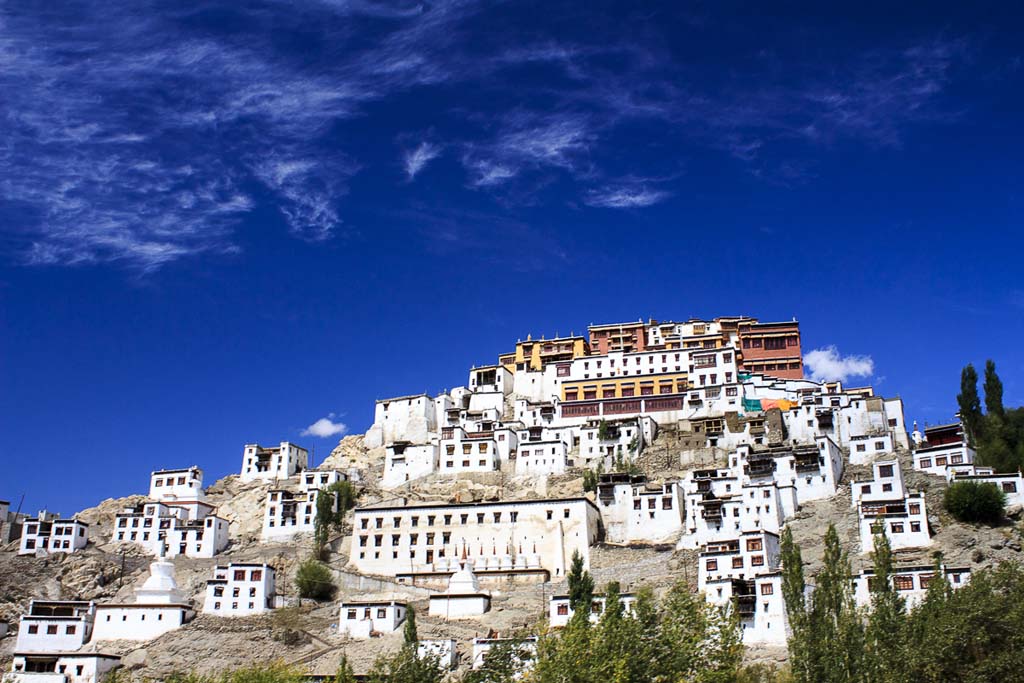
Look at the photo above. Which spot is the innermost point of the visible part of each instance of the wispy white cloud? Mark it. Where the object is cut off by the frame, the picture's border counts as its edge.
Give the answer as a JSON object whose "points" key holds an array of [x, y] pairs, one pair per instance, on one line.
{"points": [[625, 196], [828, 365], [416, 159], [325, 427]]}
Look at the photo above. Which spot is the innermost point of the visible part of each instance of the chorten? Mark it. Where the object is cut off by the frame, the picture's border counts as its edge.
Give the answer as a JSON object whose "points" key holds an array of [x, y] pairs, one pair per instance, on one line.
{"points": [[160, 588]]}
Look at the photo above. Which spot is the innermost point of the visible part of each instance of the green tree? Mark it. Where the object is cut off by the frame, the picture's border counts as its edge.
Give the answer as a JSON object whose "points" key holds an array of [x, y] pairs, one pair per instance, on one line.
{"points": [[410, 636], [884, 653], [968, 401], [581, 587], [835, 628], [503, 663], [345, 673], [993, 390], [331, 505], [315, 580], [975, 502], [589, 480], [794, 595]]}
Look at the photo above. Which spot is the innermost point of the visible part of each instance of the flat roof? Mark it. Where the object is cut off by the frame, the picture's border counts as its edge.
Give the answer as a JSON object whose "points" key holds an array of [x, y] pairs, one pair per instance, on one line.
{"points": [[372, 603], [401, 398], [184, 469], [475, 504]]}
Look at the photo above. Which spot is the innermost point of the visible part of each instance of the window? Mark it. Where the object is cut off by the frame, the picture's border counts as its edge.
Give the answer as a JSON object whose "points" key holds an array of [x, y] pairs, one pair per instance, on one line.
{"points": [[767, 589], [239, 575], [350, 615], [861, 448], [897, 527], [885, 471], [915, 526], [903, 582], [754, 544], [256, 575], [915, 508], [712, 565], [35, 629], [70, 630], [51, 630], [1009, 487], [926, 463], [563, 609], [737, 563], [381, 612], [757, 560]]}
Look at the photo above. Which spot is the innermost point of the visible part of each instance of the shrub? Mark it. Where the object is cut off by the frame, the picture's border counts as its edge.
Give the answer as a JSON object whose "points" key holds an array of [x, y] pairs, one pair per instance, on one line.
{"points": [[314, 580], [973, 501]]}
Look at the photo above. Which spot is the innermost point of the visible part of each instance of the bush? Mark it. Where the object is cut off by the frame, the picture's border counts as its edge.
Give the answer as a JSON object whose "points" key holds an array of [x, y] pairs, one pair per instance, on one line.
{"points": [[973, 501], [314, 580]]}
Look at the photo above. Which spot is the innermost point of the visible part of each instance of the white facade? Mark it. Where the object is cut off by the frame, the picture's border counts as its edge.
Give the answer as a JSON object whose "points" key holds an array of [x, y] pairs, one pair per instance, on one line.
{"points": [[865, 447], [527, 648], [886, 484], [287, 513], [938, 459], [542, 457], [749, 555], [560, 611], [159, 608], [523, 535], [624, 440], [761, 607], [362, 619], [464, 451], [405, 418], [910, 583], [635, 512], [240, 589], [50, 534], [191, 529], [60, 668], [319, 479], [405, 462], [272, 463], [442, 648], [55, 626], [174, 485], [720, 506]]}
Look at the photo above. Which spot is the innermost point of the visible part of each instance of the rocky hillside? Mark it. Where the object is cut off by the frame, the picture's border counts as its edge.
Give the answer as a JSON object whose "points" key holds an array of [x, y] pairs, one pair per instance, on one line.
{"points": [[306, 635]]}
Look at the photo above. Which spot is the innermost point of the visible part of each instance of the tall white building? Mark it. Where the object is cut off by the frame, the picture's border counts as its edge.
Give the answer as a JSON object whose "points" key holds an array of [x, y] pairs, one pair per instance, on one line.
{"points": [[240, 589], [272, 463], [191, 529], [55, 626], [424, 542], [176, 485], [50, 534], [886, 507], [909, 582], [634, 511]]}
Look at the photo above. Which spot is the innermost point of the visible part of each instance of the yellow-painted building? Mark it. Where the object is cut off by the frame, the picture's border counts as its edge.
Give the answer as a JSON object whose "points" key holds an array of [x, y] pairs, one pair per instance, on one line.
{"points": [[534, 354], [625, 387]]}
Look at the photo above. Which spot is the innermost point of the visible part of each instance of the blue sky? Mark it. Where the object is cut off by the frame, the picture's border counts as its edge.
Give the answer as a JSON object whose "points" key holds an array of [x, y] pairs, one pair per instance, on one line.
{"points": [[219, 225]]}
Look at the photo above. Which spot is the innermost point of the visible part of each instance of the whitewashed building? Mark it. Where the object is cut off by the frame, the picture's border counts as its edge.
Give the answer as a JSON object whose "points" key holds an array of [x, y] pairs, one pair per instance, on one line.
{"points": [[50, 534], [362, 619], [404, 418], [159, 608], [759, 604], [747, 556], [442, 648], [62, 667], [909, 582], [463, 597], [186, 528], [274, 462], [526, 650], [634, 511], [55, 626], [944, 446], [287, 513], [240, 589], [899, 514], [176, 485], [560, 610], [523, 537], [404, 462]]}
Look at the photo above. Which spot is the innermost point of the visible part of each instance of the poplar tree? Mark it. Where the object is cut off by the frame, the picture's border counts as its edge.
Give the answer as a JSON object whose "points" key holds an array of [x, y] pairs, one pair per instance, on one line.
{"points": [[793, 589], [993, 390], [835, 630], [581, 588], [968, 401], [885, 638]]}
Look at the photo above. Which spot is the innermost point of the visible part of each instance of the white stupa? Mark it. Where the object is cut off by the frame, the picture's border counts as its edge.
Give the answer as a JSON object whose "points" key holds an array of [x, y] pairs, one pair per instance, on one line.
{"points": [[159, 607], [463, 597], [160, 588]]}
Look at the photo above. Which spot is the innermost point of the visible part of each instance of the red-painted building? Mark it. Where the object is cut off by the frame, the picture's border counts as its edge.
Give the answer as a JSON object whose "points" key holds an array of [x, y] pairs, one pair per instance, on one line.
{"points": [[771, 348], [618, 337]]}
